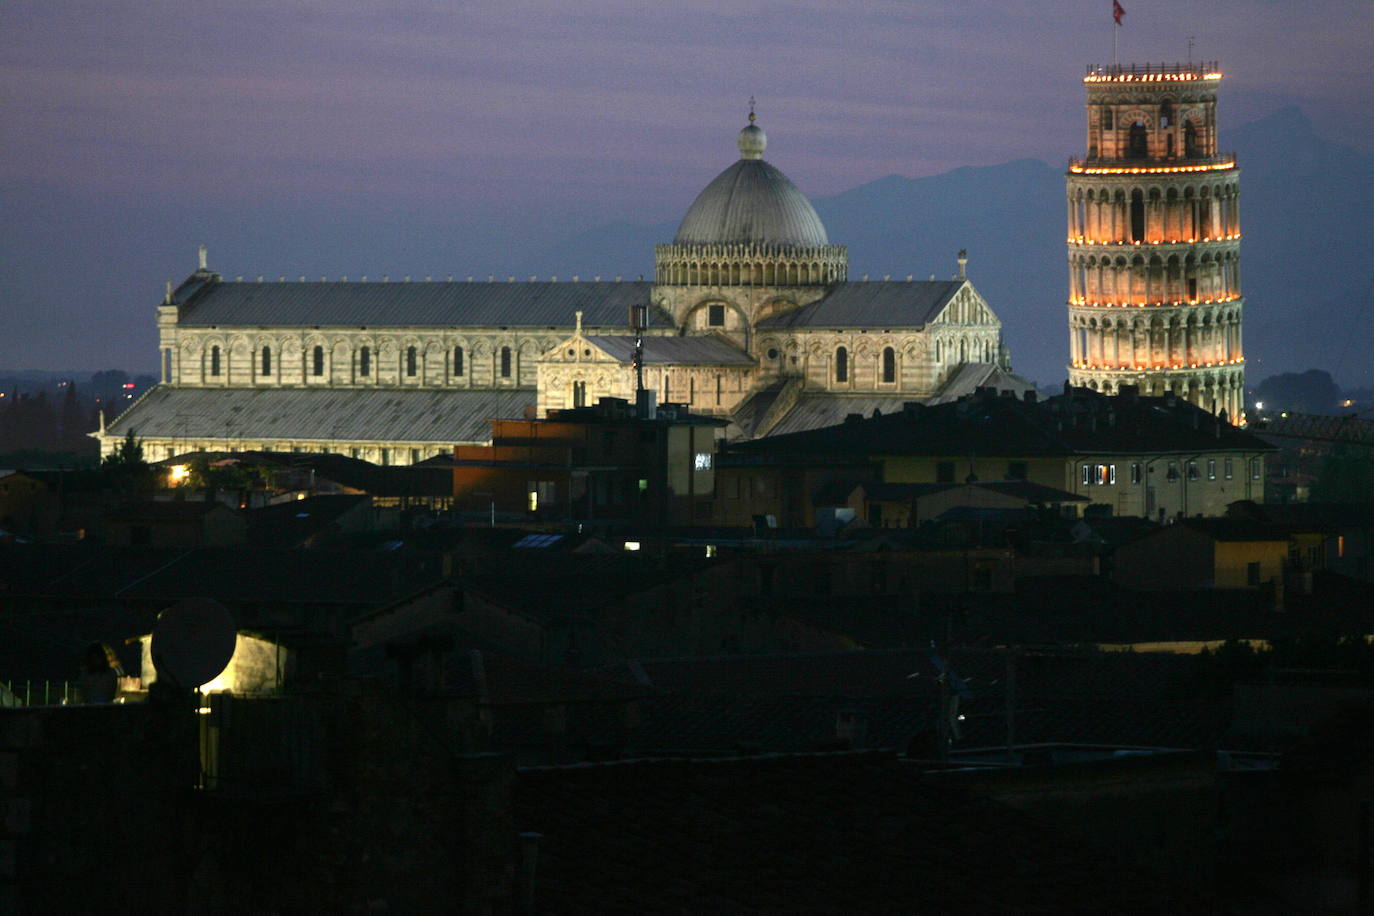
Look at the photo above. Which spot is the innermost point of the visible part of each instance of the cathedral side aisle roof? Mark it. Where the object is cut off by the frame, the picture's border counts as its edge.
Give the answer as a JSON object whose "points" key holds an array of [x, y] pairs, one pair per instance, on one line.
{"points": [[338, 414], [878, 304], [414, 304]]}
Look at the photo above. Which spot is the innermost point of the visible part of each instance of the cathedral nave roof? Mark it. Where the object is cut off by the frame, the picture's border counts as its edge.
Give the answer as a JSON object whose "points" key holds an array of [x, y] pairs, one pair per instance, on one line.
{"points": [[879, 304], [416, 304]]}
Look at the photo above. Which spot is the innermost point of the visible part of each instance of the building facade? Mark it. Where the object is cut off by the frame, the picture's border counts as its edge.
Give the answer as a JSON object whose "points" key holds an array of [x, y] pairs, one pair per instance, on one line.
{"points": [[1154, 240], [751, 317]]}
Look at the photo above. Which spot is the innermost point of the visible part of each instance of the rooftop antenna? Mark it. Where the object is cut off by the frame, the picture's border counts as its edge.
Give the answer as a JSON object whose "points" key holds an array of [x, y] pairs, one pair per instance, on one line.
{"points": [[751, 109], [1190, 49]]}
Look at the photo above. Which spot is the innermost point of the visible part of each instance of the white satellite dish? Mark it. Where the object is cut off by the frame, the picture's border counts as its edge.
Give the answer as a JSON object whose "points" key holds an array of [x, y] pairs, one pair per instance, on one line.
{"points": [[193, 642]]}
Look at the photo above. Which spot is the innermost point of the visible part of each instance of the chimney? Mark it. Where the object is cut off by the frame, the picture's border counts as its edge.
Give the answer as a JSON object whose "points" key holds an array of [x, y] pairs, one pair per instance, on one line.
{"points": [[1030, 396]]}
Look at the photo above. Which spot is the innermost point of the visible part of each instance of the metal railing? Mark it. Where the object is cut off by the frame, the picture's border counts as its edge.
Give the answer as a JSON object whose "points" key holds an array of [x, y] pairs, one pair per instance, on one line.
{"points": [[38, 693], [1198, 69]]}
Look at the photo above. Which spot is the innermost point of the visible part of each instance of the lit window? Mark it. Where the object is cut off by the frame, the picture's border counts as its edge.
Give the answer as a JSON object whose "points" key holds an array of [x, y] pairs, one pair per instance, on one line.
{"points": [[1087, 475], [710, 551], [533, 500], [1211, 469], [702, 461], [632, 545], [1226, 467]]}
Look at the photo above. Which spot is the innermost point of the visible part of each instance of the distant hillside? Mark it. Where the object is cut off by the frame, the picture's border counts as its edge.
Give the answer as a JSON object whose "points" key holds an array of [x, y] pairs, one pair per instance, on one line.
{"points": [[1308, 268]]}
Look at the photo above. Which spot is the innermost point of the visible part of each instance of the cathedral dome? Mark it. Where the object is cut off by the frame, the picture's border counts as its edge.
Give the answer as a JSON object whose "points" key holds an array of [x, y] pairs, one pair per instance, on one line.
{"points": [[751, 202]]}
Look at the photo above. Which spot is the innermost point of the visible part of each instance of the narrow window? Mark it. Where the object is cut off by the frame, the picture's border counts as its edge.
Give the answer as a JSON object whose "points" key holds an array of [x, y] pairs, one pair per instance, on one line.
{"points": [[1227, 469], [1189, 139], [1255, 469], [317, 361], [386, 456], [214, 361], [412, 361], [841, 365], [1193, 471], [1106, 119], [505, 362], [365, 362], [889, 365], [1135, 473], [1211, 469], [415, 456], [1087, 475], [715, 316], [1137, 217], [1139, 142], [579, 394], [457, 361], [1172, 473], [266, 360]]}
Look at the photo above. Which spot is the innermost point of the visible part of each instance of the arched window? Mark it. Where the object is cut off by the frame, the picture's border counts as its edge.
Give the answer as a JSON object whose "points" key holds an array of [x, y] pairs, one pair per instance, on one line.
{"points": [[457, 361], [411, 361], [266, 360], [1189, 139], [1137, 217], [889, 365], [214, 360], [939, 351], [1138, 146], [505, 362], [841, 365], [365, 361], [317, 361]]}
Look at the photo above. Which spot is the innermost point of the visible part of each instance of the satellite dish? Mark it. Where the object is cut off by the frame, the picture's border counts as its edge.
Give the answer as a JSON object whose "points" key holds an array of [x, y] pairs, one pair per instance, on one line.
{"points": [[193, 641]]}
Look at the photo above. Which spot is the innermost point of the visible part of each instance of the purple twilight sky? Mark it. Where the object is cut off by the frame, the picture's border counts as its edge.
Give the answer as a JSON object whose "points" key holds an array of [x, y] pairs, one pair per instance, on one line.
{"points": [[552, 117]]}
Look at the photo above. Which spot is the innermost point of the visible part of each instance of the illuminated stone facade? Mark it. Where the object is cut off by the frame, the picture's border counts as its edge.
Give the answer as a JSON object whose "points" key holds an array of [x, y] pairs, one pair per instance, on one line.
{"points": [[751, 312], [1154, 240]]}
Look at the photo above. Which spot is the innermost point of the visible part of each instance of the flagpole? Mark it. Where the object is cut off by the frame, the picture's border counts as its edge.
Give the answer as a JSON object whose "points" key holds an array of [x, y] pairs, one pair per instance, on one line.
{"points": [[1116, 30]]}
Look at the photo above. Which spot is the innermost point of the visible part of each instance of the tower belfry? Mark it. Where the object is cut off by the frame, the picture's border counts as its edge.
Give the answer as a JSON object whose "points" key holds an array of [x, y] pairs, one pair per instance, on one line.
{"points": [[1154, 240]]}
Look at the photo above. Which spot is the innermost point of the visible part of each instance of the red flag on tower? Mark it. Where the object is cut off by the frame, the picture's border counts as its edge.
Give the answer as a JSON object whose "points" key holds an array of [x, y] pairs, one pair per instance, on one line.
{"points": [[1117, 12]]}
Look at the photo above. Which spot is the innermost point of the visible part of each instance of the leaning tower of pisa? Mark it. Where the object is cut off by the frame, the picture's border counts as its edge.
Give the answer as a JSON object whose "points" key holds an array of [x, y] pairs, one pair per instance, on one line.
{"points": [[1154, 240]]}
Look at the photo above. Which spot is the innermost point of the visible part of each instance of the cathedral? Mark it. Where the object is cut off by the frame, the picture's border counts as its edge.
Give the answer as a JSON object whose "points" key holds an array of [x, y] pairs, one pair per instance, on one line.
{"points": [[751, 317]]}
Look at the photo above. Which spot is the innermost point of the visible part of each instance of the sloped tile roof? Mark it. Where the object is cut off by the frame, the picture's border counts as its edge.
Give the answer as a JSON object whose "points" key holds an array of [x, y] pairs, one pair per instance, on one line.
{"points": [[879, 304], [423, 304], [359, 414], [701, 351]]}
